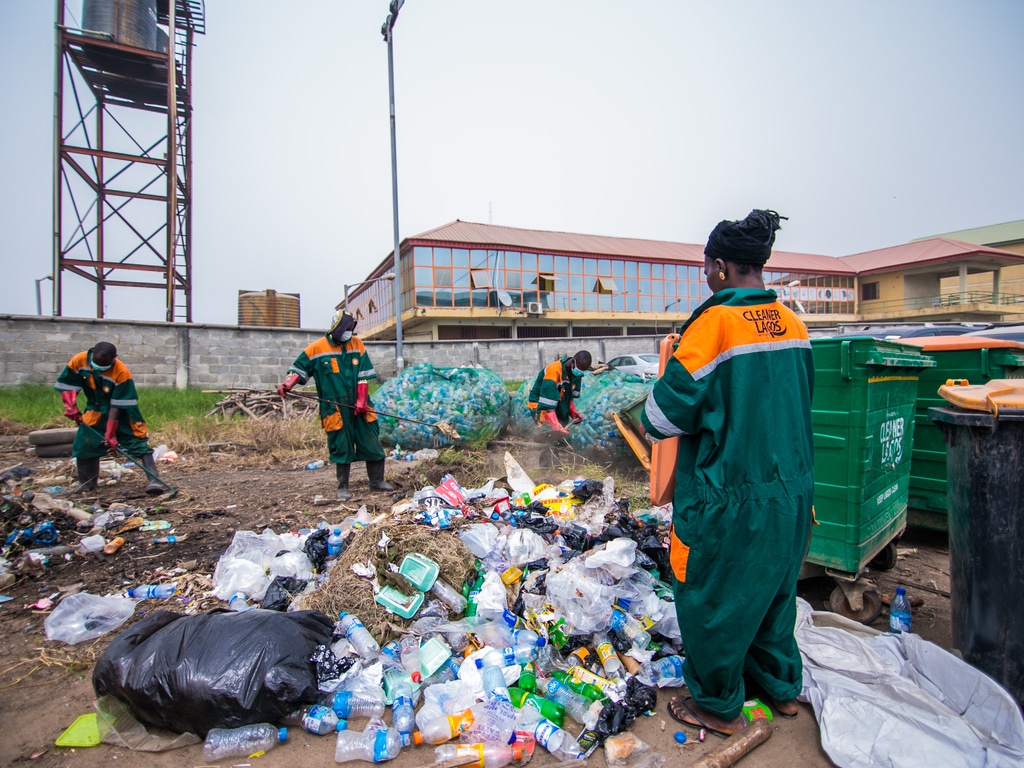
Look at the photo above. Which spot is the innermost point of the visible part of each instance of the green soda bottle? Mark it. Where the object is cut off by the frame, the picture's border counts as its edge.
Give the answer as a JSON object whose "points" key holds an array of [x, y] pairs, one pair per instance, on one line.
{"points": [[589, 690], [474, 592], [552, 710], [528, 678]]}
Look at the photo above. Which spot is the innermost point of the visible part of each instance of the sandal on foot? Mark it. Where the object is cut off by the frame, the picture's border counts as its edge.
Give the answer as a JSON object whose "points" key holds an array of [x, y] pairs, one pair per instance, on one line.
{"points": [[696, 717]]}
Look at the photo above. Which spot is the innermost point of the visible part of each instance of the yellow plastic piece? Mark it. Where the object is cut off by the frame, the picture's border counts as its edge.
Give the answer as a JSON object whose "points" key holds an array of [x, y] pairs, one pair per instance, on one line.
{"points": [[82, 733]]}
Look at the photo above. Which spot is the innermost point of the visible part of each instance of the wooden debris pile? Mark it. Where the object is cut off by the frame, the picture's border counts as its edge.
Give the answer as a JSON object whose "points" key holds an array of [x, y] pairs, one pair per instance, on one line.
{"points": [[263, 404]]}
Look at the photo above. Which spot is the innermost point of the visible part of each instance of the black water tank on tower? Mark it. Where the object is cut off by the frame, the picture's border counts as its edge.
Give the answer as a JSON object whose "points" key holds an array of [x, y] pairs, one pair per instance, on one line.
{"points": [[129, 22]]}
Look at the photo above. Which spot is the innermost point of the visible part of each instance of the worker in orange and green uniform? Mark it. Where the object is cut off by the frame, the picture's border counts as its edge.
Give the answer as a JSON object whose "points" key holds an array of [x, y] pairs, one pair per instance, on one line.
{"points": [[551, 397], [737, 393], [341, 369], [112, 418]]}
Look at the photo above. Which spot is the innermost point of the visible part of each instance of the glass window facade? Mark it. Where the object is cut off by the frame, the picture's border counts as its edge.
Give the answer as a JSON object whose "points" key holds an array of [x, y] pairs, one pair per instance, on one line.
{"points": [[462, 277]]}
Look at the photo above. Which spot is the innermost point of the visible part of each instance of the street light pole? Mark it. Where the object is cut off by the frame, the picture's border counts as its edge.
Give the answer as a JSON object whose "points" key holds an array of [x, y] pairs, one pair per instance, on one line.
{"points": [[388, 32], [388, 276]]}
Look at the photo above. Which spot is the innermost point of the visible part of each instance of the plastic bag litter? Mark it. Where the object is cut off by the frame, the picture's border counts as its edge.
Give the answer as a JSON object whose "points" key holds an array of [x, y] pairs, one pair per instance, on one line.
{"points": [[118, 728], [472, 400], [479, 539], [281, 592], [575, 593], [83, 616], [215, 670], [615, 558], [524, 546], [445, 699], [246, 564]]}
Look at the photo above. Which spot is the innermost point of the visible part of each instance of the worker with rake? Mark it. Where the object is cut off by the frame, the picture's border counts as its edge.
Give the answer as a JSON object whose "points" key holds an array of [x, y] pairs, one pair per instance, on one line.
{"points": [[112, 420], [555, 388], [341, 369]]}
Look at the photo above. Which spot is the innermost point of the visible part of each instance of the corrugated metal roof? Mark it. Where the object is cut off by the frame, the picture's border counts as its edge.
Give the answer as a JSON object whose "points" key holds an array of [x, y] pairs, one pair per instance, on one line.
{"points": [[922, 252], [469, 234], [994, 234]]}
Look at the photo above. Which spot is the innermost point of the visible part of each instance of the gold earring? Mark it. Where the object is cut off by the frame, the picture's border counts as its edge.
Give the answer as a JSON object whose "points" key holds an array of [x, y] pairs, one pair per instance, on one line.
{"points": [[721, 275]]}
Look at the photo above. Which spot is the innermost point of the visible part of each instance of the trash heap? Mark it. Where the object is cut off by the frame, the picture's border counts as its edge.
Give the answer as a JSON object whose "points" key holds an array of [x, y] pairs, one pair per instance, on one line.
{"points": [[601, 395], [472, 400], [492, 622]]}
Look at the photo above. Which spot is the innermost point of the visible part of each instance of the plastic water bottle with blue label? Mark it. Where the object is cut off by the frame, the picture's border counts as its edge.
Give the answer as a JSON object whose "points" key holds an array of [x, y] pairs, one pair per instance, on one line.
{"points": [[666, 672], [335, 541], [899, 612], [152, 591], [357, 634], [371, 746]]}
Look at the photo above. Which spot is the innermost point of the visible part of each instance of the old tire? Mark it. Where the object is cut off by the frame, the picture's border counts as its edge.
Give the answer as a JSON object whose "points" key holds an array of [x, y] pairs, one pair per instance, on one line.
{"points": [[54, 451], [871, 609], [52, 436], [886, 559]]}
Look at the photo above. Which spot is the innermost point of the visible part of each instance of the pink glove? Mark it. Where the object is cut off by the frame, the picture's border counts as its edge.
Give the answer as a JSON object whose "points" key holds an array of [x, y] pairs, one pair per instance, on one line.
{"points": [[71, 406], [110, 438], [362, 399], [576, 418], [552, 419], [286, 386]]}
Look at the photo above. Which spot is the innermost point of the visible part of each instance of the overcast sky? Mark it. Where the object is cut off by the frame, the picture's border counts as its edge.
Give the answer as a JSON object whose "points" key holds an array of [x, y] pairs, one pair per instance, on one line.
{"points": [[867, 123]]}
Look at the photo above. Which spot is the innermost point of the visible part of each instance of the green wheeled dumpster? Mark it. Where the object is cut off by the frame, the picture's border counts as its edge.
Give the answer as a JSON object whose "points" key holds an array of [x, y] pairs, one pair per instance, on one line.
{"points": [[972, 359], [862, 413], [984, 432]]}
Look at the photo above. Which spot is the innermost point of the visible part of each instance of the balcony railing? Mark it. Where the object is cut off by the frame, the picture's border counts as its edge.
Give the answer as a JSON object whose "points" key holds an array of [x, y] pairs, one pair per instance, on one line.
{"points": [[943, 301]]}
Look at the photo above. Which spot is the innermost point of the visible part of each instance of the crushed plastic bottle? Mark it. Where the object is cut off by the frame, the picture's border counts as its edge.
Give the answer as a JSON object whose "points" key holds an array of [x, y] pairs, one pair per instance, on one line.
{"points": [[319, 719], [374, 746], [241, 742], [506, 657], [358, 635], [448, 595], [630, 627], [558, 742], [315, 465], [666, 672], [239, 603], [495, 688], [402, 717], [442, 729], [153, 591], [487, 755], [348, 705]]}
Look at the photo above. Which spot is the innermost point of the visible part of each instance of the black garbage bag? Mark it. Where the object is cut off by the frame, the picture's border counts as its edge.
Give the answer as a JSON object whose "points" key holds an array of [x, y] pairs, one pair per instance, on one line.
{"points": [[617, 716], [214, 670], [281, 592], [588, 488], [539, 525], [316, 548], [576, 537], [329, 666]]}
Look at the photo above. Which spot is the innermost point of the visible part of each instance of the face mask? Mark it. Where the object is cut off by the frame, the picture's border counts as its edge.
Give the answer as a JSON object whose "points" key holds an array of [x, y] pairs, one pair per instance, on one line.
{"points": [[97, 367], [344, 337]]}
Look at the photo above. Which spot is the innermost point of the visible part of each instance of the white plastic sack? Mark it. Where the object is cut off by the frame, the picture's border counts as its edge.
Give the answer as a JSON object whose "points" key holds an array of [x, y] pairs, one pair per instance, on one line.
{"points": [[83, 616], [615, 558], [524, 546], [885, 699], [246, 564]]}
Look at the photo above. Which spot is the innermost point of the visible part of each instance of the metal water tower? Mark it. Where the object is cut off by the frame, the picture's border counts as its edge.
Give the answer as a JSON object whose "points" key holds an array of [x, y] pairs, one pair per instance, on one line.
{"points": [[122, 184]]}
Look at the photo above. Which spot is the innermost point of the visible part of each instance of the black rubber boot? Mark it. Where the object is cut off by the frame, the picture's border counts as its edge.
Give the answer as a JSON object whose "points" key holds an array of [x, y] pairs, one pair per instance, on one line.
{"points": [[375, 471], [154, 486], [88, 474], [342, 471]]}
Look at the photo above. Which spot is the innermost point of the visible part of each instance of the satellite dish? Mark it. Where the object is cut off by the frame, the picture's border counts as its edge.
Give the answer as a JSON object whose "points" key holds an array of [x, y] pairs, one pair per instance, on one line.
{"points": [[504, 298]]}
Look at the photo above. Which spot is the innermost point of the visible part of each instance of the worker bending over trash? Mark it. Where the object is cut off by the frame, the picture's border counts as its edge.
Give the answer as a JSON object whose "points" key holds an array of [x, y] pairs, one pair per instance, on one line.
{"points": [[553, 392], [737, 392], [341, 369], [112, 419]]}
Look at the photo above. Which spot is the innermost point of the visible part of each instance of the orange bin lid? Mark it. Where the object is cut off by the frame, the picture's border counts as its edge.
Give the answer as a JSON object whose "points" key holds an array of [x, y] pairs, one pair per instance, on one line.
{"points": [[993, 397], [939, 343]]}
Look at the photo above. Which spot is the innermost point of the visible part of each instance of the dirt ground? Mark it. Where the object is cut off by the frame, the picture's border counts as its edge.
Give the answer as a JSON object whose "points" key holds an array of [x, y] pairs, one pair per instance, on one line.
{"points": [[45, 686]]}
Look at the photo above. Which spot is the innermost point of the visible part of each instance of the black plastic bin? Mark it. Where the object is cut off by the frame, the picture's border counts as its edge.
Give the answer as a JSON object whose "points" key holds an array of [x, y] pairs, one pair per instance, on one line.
{"points": [[984, 434]]}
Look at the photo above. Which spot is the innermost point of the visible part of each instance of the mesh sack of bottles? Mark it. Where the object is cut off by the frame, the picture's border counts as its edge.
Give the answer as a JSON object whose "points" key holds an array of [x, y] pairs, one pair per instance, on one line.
{"points": [[472, 400], [602, 395], [520, 419]]}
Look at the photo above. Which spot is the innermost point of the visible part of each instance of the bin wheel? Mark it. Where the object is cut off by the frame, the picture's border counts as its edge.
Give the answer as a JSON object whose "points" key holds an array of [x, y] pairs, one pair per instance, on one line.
{"points": [[886, 559], [870, 611]]}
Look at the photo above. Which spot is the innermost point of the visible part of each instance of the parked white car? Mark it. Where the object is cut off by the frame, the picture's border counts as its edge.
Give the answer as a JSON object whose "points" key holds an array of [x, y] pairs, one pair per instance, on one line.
{"points": [[644, 366]]}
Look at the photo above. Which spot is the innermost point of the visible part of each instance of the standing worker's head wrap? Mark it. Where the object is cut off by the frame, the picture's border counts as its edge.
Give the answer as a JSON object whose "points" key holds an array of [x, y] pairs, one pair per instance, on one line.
{"points": [[342, 327], [744, 242]]}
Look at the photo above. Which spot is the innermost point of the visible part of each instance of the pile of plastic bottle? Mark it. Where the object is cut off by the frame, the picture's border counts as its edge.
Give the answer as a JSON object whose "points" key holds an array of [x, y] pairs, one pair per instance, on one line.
{"points": [[473, 400], [567, 663], [600, 395]]}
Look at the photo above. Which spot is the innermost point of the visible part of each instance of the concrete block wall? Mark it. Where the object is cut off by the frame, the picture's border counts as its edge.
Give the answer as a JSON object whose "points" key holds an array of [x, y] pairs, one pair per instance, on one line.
{"points": [[35, 350]]}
